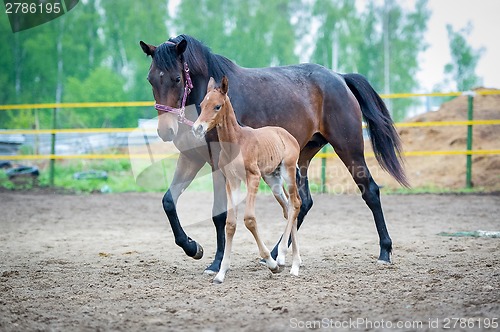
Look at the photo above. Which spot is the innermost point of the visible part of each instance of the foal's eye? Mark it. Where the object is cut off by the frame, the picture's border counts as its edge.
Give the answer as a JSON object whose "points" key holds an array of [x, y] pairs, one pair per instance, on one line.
{"points": [[217, 108], [178, 79]]}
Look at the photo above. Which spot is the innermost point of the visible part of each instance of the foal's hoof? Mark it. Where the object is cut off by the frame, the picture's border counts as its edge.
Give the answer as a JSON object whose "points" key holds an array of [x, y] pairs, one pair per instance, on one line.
{"points": [[199, 251], [216, 282], [277, 269], [382, 262]]}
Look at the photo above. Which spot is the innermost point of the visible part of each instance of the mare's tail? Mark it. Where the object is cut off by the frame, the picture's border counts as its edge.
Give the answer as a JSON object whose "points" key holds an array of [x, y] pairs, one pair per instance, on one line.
{"points": [[385, 140]]}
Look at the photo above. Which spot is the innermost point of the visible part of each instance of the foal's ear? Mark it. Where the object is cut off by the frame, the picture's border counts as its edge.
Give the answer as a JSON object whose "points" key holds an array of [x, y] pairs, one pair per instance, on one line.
{"points": [[181, 46], [211, 84], [224, 85], [148, 49]]}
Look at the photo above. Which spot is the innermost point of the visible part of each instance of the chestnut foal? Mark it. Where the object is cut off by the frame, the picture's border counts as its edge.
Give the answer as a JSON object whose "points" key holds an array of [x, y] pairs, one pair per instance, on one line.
{"points": [[247, 155]]}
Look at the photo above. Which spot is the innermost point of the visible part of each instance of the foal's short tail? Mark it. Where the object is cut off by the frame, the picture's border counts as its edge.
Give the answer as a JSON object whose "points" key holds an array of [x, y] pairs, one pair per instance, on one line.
{"points": [[385, 140]]}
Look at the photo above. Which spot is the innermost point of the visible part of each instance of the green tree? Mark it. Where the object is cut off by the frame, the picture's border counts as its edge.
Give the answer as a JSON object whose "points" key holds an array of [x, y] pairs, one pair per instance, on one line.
{"points": [[338, 35], [382, 42], [124, 24], [462, 69], [252, 33], [101, 85]]}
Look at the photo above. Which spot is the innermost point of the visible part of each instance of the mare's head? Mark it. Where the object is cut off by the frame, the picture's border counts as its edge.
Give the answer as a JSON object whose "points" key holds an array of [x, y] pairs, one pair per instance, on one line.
{"points": [[213, 106], [167, 78]]}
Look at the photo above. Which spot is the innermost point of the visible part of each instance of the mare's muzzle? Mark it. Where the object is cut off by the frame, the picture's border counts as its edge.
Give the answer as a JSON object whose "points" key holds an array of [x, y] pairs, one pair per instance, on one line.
{"points": [[199, 131]]}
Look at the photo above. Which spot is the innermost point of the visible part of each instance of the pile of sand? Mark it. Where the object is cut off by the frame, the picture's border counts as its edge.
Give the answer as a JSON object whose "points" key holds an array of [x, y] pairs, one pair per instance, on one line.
{"points": [[439, 171]]}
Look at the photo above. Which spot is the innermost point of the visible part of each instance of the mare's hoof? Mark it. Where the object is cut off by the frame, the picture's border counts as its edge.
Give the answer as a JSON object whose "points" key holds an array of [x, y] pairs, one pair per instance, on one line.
{"points": [[213, 268], [199, 251], [382, 262], [209, 272], [216, 282]]}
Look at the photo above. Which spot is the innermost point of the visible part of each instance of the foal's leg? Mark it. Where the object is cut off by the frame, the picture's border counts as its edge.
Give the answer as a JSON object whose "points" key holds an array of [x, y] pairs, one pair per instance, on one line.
{"points": [[296, 260], [251, 223], [303, 187], [288, 171], [232, 188], [275, 182]]}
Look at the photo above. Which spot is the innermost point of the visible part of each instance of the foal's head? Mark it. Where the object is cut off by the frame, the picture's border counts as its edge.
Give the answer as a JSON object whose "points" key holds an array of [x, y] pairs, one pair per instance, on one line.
{"points": [[213, 106]]}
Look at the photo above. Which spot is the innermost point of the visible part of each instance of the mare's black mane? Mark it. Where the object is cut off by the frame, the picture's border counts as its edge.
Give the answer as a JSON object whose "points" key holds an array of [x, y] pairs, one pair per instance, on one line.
{"points": [[200, 59]]}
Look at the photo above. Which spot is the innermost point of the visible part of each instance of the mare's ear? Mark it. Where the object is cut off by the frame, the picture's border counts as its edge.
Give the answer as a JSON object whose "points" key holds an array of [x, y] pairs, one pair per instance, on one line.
{"points": [[224, 85], [148, 49], [211, 84], [181, 46]]}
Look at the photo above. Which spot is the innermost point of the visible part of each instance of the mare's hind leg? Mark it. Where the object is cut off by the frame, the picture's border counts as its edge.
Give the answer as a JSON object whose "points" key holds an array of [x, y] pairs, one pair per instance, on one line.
{"points": [[371, 194], [345, 134], [355, 162], [251, 223]]}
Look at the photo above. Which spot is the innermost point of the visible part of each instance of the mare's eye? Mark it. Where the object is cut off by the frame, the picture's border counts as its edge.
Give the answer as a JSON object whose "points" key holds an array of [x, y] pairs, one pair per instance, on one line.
{"points": [[178, 79], [217, 108]]}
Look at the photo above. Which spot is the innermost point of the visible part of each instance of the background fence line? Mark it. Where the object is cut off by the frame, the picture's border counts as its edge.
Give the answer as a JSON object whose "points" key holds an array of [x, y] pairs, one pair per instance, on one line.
{"points": [[151, 103], [126, 130], [323, 154]]}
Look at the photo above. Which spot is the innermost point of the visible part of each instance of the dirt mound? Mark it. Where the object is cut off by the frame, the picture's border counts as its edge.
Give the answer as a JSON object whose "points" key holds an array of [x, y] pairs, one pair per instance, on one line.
{"points": [[437, 171]]}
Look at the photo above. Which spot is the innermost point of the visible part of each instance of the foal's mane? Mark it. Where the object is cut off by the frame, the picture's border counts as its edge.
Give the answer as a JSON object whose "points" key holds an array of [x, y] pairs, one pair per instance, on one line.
{"points": [[200, 59]]}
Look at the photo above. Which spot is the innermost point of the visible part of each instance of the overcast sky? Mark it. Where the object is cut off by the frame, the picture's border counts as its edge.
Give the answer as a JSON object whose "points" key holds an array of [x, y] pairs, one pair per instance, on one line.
{"points": [[485, 18]]}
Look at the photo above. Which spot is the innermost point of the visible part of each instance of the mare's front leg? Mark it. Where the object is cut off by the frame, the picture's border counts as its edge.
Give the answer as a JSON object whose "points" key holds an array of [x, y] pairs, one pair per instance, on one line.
{"points": [[185, 172], [219, 217]]}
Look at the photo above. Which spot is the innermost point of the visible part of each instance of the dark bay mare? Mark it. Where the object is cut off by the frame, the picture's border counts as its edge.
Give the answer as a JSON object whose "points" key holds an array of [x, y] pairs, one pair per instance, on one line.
{"points": [[316, 105]]}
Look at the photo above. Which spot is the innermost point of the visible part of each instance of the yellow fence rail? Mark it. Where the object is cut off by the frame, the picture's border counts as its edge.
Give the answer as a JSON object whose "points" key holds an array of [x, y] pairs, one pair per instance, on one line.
{"points": [[129, 130], [150, 103], [76, 105], [176, 155]]}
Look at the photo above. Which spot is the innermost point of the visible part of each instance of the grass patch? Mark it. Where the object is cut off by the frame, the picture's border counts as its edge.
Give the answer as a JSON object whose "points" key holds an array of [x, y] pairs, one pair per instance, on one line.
{"points": [[120, 177], [432, 190]]}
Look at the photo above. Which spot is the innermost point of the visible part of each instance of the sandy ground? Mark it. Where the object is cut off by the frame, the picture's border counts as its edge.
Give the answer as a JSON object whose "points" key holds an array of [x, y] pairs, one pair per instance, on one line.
{"points": [[109, 262]]}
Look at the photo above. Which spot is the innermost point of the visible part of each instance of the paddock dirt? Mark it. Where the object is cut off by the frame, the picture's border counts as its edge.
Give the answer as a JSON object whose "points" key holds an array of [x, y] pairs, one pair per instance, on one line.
{"points": [[109, 262]]}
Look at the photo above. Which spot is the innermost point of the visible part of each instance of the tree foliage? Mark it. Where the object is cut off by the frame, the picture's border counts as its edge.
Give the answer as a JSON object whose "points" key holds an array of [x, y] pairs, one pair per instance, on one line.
{"points": [[361, 46], [462, 68], [92, 53], [255, 33]]}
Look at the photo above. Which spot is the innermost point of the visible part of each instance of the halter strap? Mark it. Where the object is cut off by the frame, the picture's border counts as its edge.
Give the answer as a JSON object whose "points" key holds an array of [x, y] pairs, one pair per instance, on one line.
{"points": [[181, 118]]}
